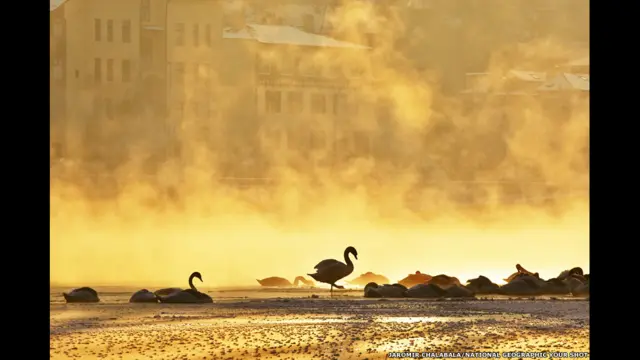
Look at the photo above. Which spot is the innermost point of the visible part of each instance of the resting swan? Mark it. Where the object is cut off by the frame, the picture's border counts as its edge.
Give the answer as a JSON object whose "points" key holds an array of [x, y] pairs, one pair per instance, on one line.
{"points": [[444, 281], [188, 296], [520, 272], [330, 270], [166, 291], [143, 296], [81, 295], [275, 281], [482, 285], [369, 277], [373, 290], [415, 279]]}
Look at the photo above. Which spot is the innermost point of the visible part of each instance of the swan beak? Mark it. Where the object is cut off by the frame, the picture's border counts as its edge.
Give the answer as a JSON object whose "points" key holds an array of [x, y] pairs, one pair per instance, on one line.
{"points": [[355, 256]]}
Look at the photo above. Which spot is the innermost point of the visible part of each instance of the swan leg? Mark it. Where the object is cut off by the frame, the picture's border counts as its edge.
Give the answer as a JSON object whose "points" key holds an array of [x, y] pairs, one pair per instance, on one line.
{"points": [[331, 291]]}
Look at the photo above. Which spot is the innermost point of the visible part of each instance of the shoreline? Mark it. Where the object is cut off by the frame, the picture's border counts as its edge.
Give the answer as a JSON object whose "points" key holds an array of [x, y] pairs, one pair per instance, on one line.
{"points": [[303, 328]]}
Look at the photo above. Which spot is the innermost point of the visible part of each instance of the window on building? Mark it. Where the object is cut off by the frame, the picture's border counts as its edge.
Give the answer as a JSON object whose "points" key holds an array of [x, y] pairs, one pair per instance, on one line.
{"points": [[97, 29], [57, 28], [97, 106], [126, 31], [295, 102], [353, 107], [109, 30], [207, 35], [57, 69], [339, 104], [318, 104], [145, 10], [109, 69], [196, 35], [179, 34], [361, 143], [317, 140], [273, 102], [206, 73], [178, 74], [97, 70], [126, 70], [108, 108]]}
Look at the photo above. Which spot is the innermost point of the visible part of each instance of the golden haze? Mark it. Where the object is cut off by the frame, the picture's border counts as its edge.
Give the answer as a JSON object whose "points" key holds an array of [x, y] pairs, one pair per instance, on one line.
{"points": [[149, 236]]}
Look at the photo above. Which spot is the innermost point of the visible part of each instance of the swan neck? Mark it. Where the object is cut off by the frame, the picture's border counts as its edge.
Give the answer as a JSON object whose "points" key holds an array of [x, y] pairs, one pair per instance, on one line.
{"points": [[347, 259], [191, 283]]}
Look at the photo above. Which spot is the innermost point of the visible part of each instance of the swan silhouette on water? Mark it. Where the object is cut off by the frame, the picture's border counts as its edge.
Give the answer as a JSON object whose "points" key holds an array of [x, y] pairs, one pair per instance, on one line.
{"points": [[329, 271], [81, 295], [482, 285], [188, 296], [373, 290], [143, 296], [369, 277], [519, 273], [305, 282], [167, 291], [275, 281], [415, 279], [444, 281]]}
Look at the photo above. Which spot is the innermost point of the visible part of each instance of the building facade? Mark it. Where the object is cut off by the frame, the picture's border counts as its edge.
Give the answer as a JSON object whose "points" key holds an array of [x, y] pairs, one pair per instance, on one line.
{"points": [[108, 67], [57, 78], [243, 88]]}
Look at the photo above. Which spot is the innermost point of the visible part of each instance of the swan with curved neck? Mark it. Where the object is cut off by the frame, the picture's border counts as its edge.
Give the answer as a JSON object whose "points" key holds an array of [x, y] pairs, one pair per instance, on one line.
{"points": [[188, 296], [305, 282], [329, 271]]}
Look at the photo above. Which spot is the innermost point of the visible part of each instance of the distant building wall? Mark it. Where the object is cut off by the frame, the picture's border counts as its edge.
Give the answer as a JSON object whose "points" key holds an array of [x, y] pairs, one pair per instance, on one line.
{"points": [[193, 40], [57, 79]]}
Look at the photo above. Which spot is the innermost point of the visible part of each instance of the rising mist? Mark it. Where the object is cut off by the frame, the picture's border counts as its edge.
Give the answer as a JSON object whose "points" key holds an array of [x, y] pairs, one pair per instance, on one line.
{"points": [[433, 192]]}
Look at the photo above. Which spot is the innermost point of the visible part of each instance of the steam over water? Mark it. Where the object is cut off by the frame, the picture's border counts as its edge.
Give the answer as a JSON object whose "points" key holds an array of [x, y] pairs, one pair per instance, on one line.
{"points": [[441, 184]]}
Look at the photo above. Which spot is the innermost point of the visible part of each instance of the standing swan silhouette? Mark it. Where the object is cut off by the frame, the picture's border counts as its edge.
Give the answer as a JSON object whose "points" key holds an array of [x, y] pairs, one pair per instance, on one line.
{"points": [[330, 270]]}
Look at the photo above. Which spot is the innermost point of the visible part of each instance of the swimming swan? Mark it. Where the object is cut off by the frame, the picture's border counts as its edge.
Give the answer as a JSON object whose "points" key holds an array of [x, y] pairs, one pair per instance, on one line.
{"points": [[188, 296]]}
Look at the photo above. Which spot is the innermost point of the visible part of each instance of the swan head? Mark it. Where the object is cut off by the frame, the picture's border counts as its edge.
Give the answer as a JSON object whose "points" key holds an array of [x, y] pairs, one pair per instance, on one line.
{"points": [[197, 275], [353, 251], [576, 270]]}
